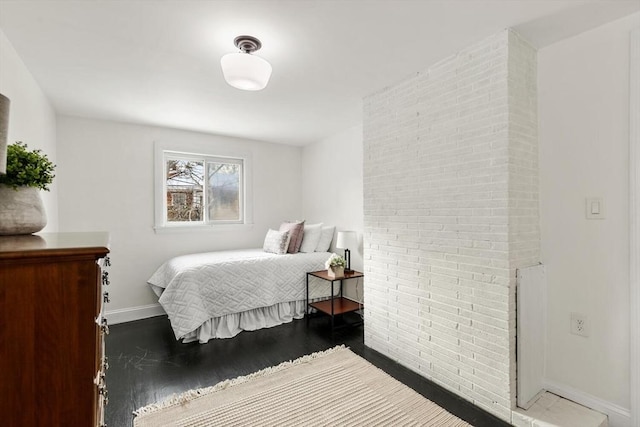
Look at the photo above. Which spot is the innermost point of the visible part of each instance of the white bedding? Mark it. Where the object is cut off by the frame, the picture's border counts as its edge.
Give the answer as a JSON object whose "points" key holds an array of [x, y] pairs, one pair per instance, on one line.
{"points": [[218, 294]]}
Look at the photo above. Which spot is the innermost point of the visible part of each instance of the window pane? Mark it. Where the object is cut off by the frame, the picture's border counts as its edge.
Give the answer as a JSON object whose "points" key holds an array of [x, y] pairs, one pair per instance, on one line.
{"points": [[224, 191], [184, 190]]}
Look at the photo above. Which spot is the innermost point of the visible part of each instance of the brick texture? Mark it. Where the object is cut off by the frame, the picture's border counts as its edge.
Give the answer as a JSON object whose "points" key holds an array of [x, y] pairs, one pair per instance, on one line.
{"points": [[450, 212]]}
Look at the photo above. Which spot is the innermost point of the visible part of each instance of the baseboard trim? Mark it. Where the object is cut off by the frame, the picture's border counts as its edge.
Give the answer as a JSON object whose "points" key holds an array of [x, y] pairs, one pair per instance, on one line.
{"points": [[618, 416], [134, 313]]}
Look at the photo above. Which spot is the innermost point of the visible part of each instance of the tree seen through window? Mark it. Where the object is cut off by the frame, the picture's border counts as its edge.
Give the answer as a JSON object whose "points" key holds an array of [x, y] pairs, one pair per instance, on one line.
{"points": [[185, 185]]}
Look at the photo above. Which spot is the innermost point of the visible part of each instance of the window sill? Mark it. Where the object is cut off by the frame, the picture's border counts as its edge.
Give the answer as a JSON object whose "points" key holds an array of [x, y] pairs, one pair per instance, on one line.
{"points": [[201, 228]]}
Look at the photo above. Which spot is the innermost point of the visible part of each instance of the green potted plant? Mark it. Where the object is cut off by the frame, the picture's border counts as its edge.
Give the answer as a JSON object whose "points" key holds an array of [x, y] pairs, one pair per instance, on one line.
{"points": [[335, 266], [27, 172]]}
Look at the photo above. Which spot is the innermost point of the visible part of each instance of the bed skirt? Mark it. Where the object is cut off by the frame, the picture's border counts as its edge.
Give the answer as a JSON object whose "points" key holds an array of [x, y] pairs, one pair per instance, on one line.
{"points": [[259, 318]]}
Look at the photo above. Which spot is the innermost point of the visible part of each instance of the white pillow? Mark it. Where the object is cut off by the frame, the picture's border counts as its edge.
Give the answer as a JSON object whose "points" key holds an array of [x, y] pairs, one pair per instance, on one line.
{"points": [[325, 239], [276, 242], [311, 237]]}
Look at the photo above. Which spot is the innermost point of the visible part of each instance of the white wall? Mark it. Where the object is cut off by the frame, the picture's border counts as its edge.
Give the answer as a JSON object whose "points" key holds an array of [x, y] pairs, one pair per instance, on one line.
{"points": [[450, 212], [32, 119], [106, 176], [584, 147], [332, 188]]}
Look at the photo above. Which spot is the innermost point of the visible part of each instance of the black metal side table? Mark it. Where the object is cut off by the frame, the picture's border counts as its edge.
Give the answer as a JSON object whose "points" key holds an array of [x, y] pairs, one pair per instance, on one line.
{"points": [[335, 305]]}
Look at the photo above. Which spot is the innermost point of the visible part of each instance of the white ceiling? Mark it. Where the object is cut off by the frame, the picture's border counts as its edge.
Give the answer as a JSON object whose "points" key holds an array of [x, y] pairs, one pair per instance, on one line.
{"points": [[158, 62]]}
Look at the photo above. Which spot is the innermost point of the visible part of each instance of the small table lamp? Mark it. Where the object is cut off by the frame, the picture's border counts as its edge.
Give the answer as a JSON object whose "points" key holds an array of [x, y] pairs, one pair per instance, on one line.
{"points": [[346, 240]]}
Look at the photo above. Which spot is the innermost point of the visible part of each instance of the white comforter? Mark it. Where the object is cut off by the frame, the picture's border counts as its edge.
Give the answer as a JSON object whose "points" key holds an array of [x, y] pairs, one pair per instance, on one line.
{"points": [[198, 287]]}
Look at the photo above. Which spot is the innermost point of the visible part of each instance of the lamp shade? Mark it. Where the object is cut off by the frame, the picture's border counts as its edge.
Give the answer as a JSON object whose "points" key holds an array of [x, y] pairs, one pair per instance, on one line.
{"points": [[245, 71], [346, 240]]}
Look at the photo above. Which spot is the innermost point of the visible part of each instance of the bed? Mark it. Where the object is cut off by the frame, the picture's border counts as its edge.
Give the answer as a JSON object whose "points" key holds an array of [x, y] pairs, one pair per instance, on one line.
{"points": [[220, 294]]}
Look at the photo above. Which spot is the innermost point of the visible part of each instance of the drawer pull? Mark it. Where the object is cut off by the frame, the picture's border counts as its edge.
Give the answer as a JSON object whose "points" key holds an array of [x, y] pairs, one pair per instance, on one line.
{"points": [[105, 363], [102, 390], [105, 327], [105, 278], [107, 261], [105, 297]]}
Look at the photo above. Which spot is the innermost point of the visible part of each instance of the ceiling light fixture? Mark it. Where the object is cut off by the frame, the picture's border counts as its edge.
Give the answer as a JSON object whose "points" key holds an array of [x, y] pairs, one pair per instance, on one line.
{"points": [[243, 70]]}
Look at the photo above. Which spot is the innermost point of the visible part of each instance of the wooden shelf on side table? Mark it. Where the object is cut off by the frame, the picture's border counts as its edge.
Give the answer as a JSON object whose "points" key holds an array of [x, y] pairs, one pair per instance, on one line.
{"points": [[341, 305]]}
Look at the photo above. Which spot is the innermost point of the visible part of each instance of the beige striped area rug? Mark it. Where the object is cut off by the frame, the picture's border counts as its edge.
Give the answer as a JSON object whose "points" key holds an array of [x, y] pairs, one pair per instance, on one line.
{"points": [[331, 388]]}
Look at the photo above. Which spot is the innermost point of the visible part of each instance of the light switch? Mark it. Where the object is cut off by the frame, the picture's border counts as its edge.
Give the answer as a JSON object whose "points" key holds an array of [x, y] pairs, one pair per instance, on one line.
{"points": [[595, 208]]}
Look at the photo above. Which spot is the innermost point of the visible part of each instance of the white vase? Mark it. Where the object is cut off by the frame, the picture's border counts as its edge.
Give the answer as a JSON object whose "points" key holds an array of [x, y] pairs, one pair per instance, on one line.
{"points": [[4, 126], [334, 272], [21, 210]]}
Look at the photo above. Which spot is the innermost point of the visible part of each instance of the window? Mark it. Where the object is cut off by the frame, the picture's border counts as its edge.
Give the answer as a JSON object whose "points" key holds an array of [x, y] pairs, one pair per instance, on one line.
{"points": [[200, 189], [224, 190], [183, 182]]}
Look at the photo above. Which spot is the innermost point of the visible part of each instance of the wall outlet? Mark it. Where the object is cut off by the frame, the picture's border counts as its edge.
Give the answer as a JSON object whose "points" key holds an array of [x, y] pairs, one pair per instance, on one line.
{"points": [[579, 325]]}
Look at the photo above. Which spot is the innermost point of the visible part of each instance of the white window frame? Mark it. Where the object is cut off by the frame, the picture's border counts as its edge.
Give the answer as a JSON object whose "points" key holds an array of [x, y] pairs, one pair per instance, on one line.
{"points": [[208, 152]]}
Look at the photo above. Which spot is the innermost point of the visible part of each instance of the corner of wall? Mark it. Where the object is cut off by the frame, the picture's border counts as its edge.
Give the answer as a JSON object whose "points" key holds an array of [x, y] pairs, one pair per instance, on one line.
{"points": [[524, 216], [32, 119]]}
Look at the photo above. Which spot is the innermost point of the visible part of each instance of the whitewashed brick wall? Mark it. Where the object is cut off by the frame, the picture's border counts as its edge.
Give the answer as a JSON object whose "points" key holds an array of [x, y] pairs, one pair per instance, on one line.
{"points": [[450, 211]]}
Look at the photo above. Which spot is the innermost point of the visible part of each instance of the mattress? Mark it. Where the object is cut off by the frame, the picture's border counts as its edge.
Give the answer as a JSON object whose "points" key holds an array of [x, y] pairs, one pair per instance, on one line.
{"points": [[195, 288]]}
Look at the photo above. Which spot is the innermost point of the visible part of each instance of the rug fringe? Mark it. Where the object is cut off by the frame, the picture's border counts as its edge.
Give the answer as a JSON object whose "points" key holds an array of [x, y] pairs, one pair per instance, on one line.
{"points": [[182, 398]]}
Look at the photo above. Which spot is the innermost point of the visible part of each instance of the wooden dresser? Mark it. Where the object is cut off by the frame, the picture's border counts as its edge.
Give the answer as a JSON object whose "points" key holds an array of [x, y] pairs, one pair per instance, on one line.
{"points": [[51, 329]]}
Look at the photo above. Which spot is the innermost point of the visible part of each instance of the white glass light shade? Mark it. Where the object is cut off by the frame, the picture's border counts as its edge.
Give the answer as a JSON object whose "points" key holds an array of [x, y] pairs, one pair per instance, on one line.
{"points": [[245, 71], [347, 240]]}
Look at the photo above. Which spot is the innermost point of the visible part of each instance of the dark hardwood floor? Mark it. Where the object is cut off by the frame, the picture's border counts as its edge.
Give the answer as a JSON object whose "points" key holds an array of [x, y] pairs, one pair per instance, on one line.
{"points": [[147, 364]]}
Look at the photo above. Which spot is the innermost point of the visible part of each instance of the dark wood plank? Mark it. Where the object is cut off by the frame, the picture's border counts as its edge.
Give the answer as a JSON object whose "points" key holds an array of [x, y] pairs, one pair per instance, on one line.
{"points": [[340, 306], [37, 247], [147, 364]]}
